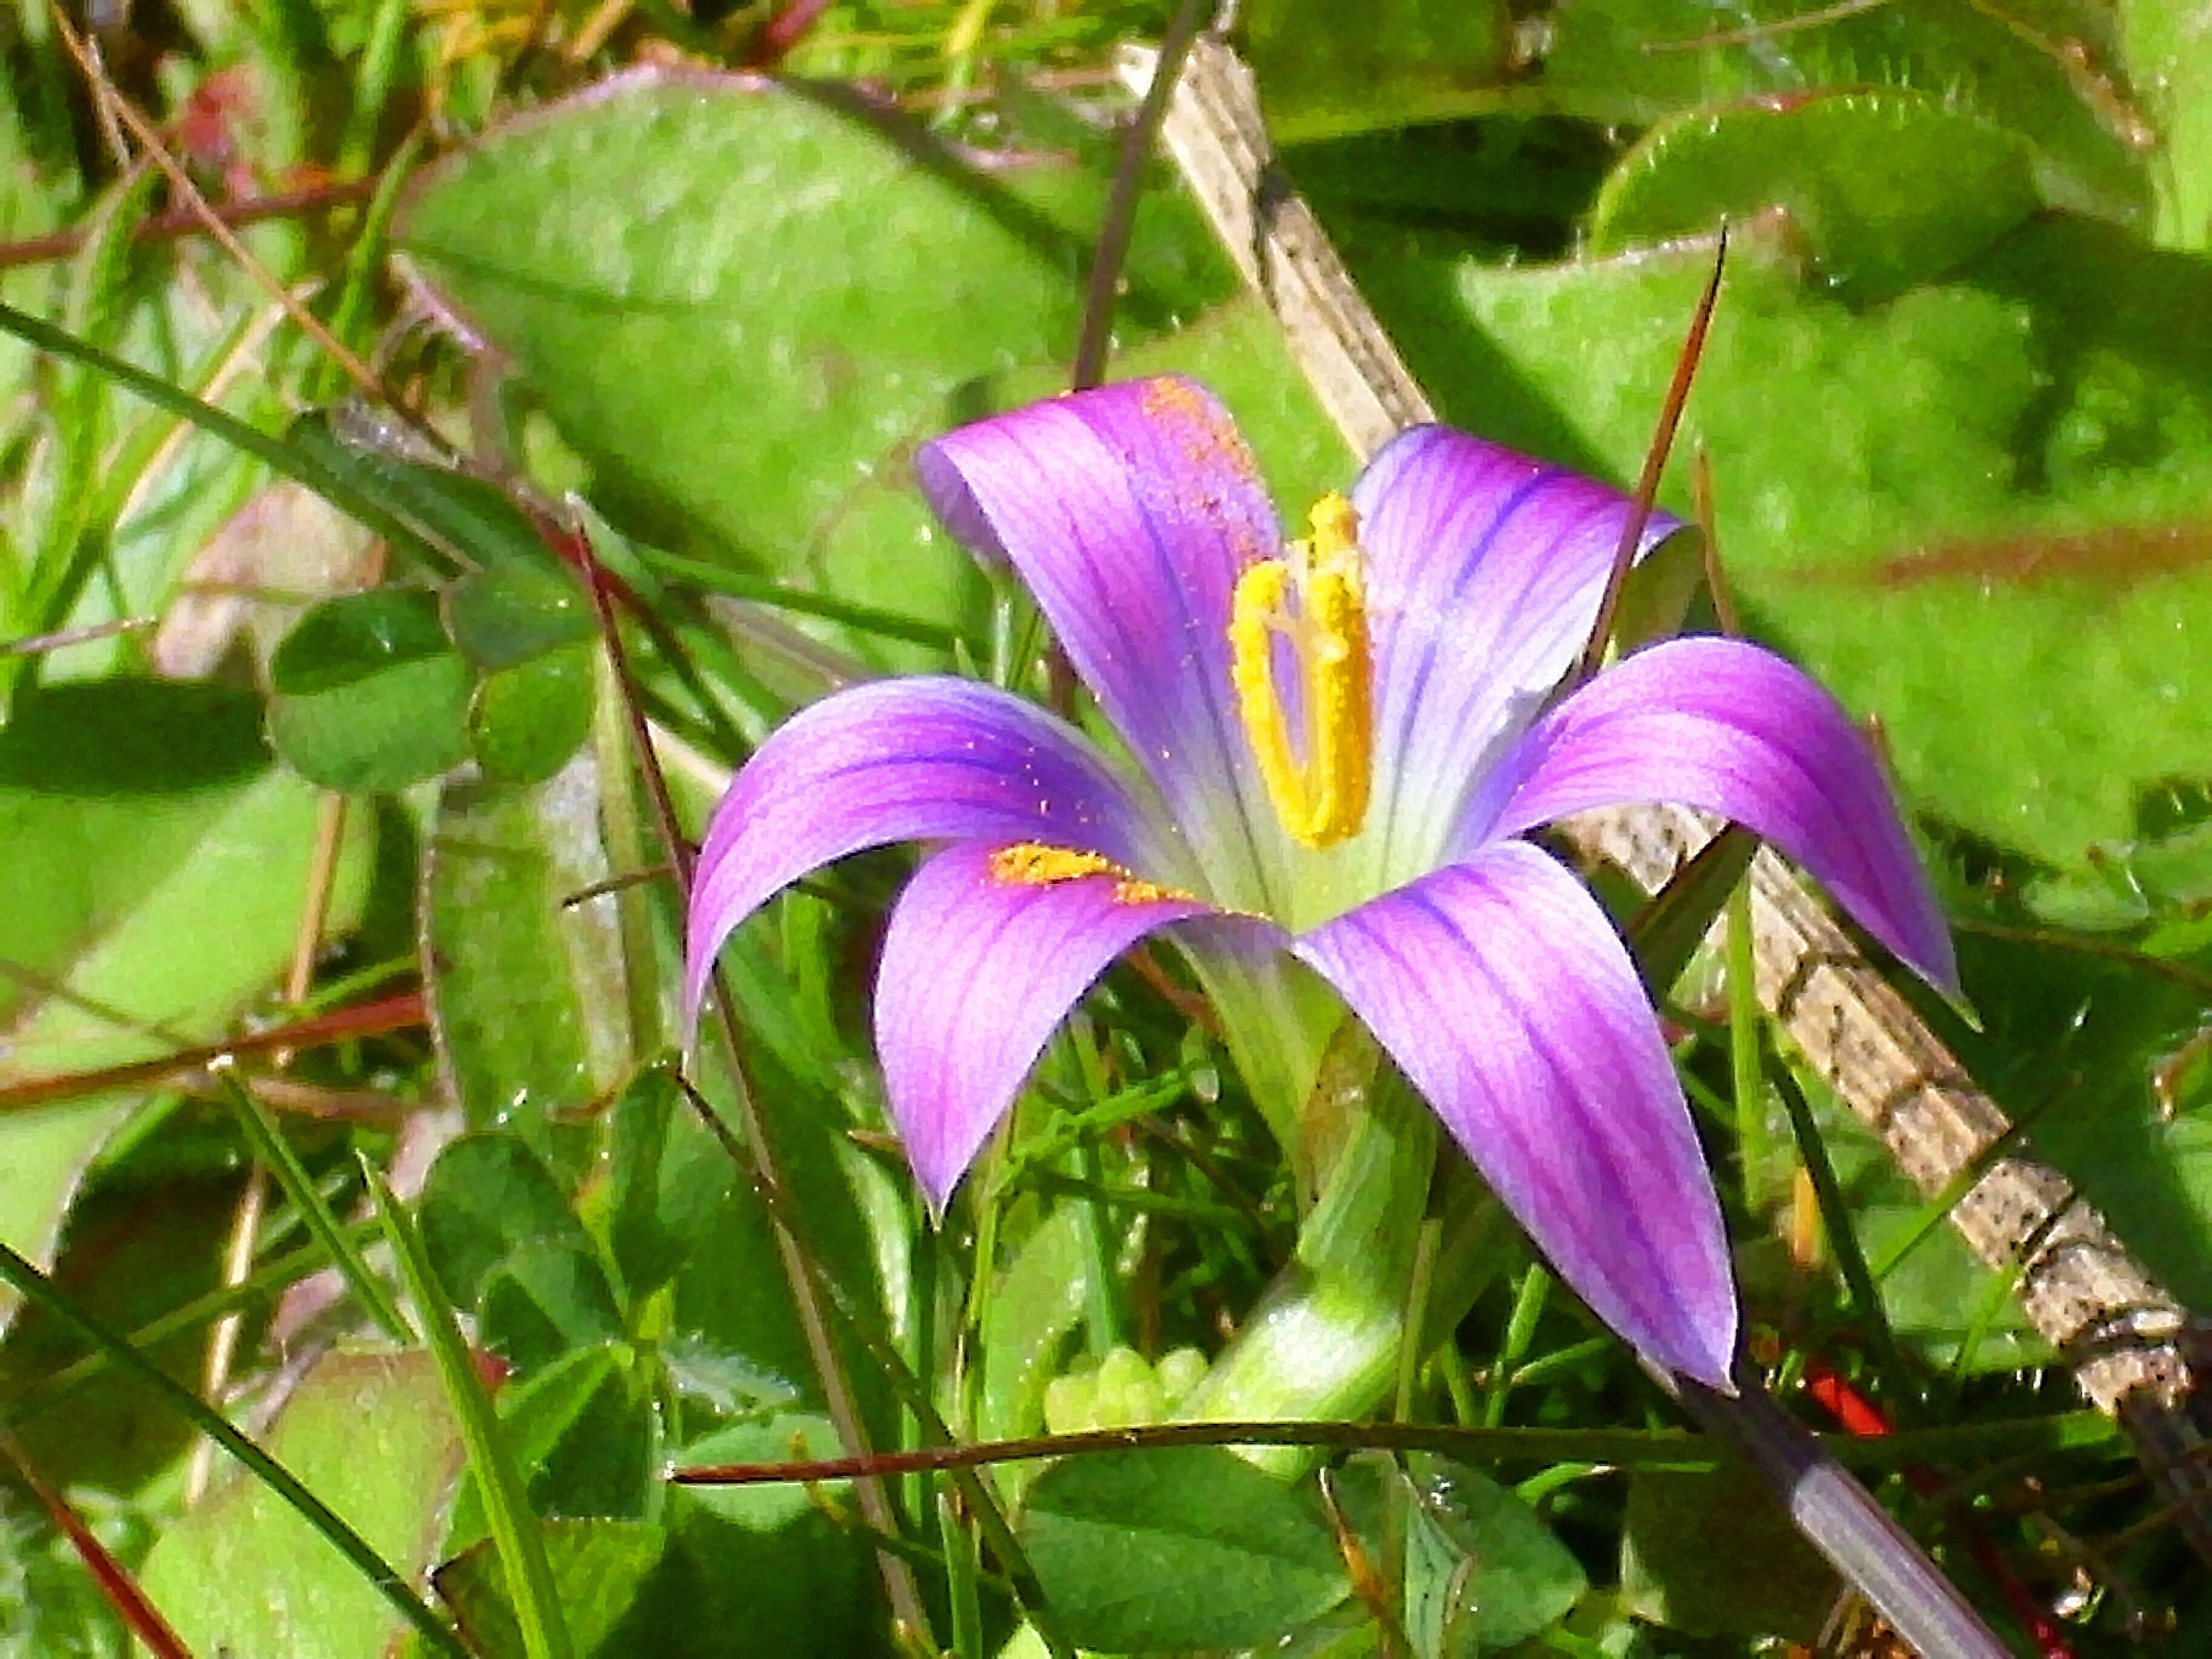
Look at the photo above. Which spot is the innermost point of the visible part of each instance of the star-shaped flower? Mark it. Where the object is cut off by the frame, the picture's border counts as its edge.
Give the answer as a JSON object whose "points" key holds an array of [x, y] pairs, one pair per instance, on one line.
{"points": [[1330, 750]]}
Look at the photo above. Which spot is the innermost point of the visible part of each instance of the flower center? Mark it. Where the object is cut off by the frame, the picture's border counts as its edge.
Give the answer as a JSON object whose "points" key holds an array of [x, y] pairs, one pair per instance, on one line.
{"points": [[1313, 598]]}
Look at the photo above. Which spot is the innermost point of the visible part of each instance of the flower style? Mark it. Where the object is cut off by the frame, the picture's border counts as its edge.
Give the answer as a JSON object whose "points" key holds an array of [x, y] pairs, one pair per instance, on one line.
{"points": [[1332, 750]]}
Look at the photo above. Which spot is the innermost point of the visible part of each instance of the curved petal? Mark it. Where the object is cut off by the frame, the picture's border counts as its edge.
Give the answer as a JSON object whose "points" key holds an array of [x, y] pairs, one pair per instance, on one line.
{"points": [[1130, 512], [977, 973], [1484, 571], [906, 760], [1501, 989], [1735, 730]]}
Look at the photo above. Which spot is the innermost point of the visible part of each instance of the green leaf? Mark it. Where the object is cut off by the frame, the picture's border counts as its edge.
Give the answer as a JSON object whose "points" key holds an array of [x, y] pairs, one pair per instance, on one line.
{"points": [[527, 991], [487, 1196], [367, 694], [767, 1561], [527, 722], [543, 1299], [1638, 62], [666, 1176], [152, 867], [541, 1618], [243, 1573], [741, 346], [763, 1506], [583, 1428], [1886, 188], [600, 1568], [1712, 1554], [1478, 1561], [1178, 1547], [472, 522], [502, 1239], [1319, 65], [504, 617], [1038, 1300], [2169, 52], [1963, 510]]}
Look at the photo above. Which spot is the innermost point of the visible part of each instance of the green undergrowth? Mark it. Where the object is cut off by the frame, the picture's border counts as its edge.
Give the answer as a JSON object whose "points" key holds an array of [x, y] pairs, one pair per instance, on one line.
{"points": [[314, 748]]}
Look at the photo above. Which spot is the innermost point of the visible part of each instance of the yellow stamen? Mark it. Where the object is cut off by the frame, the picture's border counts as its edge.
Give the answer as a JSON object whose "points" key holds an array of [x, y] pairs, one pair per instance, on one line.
{"points": [[1322, 798], [1033, 864]]}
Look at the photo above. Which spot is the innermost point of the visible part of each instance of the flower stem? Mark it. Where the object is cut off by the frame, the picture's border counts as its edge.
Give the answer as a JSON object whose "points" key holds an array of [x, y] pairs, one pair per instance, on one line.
{"points": [[1326, 1339], [1840, 1519]]}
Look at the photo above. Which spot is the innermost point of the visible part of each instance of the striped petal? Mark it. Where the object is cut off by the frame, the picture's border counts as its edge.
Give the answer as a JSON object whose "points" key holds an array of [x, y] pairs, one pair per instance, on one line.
{"points": [[1735, 730], [1485, 571], [977, 972], [1130, 512], [1503, 994], [906, 760]]}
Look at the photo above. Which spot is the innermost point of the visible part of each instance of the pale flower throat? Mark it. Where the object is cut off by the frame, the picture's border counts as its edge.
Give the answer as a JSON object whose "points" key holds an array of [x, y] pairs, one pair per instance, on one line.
{"points": [[1314, 597]]}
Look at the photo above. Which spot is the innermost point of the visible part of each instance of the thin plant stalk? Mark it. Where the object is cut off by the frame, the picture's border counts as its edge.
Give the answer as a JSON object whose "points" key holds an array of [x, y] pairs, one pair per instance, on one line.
{"points": [[515, 1535]]}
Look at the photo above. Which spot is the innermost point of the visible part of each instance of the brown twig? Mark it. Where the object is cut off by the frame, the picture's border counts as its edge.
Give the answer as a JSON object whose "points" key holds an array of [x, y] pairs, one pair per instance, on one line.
{"points": [[178, 222]]}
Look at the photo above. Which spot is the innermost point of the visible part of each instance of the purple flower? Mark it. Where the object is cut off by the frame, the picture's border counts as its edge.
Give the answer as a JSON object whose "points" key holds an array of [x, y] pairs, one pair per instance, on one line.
{"points": [[1332, 748]]}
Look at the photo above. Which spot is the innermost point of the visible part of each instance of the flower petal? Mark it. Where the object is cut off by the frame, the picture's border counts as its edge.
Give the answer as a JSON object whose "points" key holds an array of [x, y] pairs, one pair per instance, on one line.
{"points": [[1735, 730], [977, 973], [1501, 989], [906, 760], [1130, 512], [1485, 571]]}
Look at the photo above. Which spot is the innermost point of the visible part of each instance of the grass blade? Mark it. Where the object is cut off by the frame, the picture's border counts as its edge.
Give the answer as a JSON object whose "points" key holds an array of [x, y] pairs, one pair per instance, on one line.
{"points": [[514, 1531]]}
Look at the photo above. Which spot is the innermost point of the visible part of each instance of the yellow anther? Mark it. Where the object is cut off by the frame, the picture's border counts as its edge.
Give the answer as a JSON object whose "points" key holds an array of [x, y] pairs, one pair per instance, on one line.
{"points": [[1322, 797], [1033, 864], [1335, 527]]}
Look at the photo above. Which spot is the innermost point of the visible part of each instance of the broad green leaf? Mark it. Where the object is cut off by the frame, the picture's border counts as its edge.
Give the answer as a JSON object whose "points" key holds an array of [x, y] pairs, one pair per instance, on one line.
{"points": [[601, 1567], [546, 1298], [1039, 1299], [1886, 189], [666, 1176], [504, 617], [1479, 1565], [740, 301], [1319, 65], [1964, 510], [1479, 1571], [2070, 1040], [488, 1196], [761, 1506], [152, 869], [1712, 1554], [767, 1561], [2045, 70], [367, 694], [1177, 1547], [729, 1297], [527, 990], [527, 722], [370, 1433], [582, 1429]]}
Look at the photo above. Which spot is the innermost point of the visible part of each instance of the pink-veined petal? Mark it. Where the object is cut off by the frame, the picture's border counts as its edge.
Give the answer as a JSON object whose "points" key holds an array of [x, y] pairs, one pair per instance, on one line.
{"points": [[1484, 570], [908, 760], [1130, 512], [1503, 991], [977, 972], [1733, 729]]}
